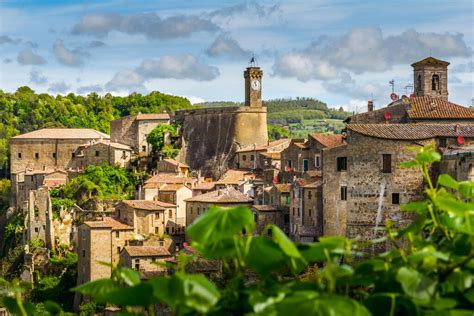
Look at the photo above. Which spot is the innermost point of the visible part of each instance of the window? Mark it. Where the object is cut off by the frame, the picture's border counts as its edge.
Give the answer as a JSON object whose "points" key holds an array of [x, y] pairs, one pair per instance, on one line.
{"points": [[97, 153], [309, 212], [244, 157], [290, 163], [117, 234], [73, 155], [170, 213], [252, 157], [442, 142], [36, 229], [395, 198], [191, 210], [287, 200], [386, 163], [418, 83], [305, 164], [83, 253], [157, 230], [143, 148], [137, 264], [317, 161], [310, 195], [435, 83], [293, 211], [118, 249], [286, 218], [162, 243], [341, 163], [153, 260], [54, 155], [37, 155], [19, 155], [343, 193], [272, 200]]}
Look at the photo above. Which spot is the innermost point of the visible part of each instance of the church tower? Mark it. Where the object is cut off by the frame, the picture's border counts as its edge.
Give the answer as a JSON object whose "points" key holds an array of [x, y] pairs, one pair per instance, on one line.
{"points": [[253, 86], [431, 77]]}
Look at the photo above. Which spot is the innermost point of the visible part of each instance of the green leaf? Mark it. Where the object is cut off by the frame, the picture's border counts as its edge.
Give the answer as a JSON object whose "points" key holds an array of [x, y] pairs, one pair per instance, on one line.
{"points": [[138, 295], [52, 307], [315, 252], [297, 261], [418, 207], [390, 304], [416, 285], [447, 181], [98, 289], [129, 276], [445, 303], [264, 256]]}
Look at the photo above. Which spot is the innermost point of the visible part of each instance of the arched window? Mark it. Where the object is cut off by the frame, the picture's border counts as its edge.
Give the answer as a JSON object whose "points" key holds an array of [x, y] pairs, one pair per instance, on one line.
{"points": [[418, 83], [435, 83]]}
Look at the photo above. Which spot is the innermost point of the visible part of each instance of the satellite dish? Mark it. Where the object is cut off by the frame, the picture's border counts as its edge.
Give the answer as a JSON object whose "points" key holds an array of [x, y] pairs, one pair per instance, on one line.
{"points": [[387, 115], [460, 140], [394, 96]]}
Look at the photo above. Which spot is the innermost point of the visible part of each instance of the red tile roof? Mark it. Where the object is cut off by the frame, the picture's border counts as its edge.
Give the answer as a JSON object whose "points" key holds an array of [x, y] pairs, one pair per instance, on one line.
{"points": [[175, 163], [109, 222], [428, 107], [167, 178], [223, 196], [148, 205], [328, 140], [147, 251], [205, 186], [270, 146], [412, 131], [64, 133]]}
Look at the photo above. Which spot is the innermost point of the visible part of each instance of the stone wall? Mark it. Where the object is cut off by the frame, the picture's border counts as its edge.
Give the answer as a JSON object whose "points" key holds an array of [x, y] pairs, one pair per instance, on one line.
{"points": [[194, 209], [40, 217], [94, 245], [426, 73]]}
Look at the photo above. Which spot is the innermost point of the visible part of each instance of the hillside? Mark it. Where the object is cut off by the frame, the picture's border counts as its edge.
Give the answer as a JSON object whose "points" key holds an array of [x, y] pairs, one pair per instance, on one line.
{"points": [[301, 115], [24, 111]]}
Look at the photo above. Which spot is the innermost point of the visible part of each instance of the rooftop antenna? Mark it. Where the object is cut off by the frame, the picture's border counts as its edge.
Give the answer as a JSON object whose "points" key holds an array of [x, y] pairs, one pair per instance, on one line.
{"points": [[253, 62], [392, 83]]}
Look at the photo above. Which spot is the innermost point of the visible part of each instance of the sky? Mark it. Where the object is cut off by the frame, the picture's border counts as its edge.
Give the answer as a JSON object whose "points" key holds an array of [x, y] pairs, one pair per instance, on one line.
{"points": [[342, 52]]}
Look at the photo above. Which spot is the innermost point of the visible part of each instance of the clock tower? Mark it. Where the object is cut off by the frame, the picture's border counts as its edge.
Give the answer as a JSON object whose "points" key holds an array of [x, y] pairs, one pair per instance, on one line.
{"points": [[253, 86]]}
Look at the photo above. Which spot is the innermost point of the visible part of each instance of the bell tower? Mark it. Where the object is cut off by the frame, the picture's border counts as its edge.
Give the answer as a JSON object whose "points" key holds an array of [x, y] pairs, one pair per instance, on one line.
{"points": [[253, 85], [430, 77]]}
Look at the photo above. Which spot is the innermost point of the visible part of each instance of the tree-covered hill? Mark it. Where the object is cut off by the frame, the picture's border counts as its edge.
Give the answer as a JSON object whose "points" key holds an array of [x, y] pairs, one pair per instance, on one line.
{"points": [[24, 111]]}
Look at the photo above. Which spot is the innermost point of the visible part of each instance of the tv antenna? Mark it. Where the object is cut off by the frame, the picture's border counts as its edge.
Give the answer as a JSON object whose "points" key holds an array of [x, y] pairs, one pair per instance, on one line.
{"points": [[253, 61], [392, 84]]}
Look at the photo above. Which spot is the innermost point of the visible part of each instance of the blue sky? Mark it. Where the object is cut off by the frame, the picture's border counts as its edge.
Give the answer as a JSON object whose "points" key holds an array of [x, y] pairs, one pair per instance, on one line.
{"points": [[342, 52]]}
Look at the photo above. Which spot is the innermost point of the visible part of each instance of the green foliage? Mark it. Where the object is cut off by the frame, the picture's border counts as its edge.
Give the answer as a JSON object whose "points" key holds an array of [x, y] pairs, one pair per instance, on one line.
{"points": [[427, 270], [104, 182], [14, 226], [277, 132], [24, 111], [156, 138], [5, 188]]}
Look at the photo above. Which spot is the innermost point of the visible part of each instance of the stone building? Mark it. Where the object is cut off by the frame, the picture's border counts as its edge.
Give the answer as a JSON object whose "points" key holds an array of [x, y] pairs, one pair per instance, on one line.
{"points": [[39, 217], [103, 152], [251, 157], [168, 165], [176, 194], [458, 162], [132, 130], [49, 148], [227, 197], [269, 214], [431, 77], [211, 136], [363, 180], [100, 241], [152, 186], [145, 258], [149, 217]]}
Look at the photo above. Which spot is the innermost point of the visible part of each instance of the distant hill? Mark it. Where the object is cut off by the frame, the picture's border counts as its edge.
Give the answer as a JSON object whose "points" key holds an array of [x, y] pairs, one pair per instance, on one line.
{"points": [[300, 115]]}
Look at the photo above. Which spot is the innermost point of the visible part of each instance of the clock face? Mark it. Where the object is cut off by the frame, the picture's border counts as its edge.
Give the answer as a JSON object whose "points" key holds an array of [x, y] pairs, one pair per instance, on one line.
{"points": [[255, 84]]}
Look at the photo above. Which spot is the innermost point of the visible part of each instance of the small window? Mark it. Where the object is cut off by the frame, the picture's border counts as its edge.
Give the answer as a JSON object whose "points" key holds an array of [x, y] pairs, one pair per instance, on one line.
{"points": [[386, 163], [317, 161], [157, 231], [36, 229], [435, 83], [97, 153], [54, 155], [244, 157], [73, 155], [396, 198], [170, 213], [442, 142], [310, 194], [290, 163], [37, 155], [341, 163], [343, 193], [83, 253], [137, 264], [143, 148], [118, 249], [305, 164], [286, 218], [309, 212], [162, 243], [19, 155], [287, 200], [117, 234], [252, 157]]}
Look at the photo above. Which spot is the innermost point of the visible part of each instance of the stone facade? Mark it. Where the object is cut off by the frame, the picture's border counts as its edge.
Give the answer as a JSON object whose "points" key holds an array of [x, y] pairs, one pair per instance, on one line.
{"points": [[145, 258], [39, 220], [431, 77], [132, 130], [172, 166], [101, 153], [268, 214], [305, 212]]}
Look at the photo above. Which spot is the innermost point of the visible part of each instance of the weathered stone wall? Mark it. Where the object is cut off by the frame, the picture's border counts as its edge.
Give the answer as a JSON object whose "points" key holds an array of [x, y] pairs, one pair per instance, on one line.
{"points": [[101, 153], [122, 131], [211, 136], [296, 155], [194, 209], [265, 218], [334, 209], [146, 264], [40, 217], [426, 72], [94, 245], [397, 111]]}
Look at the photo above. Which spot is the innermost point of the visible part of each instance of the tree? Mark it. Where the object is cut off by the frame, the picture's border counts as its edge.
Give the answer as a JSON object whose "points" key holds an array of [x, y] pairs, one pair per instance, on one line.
{"points": [[156, 138], [276, 132]]}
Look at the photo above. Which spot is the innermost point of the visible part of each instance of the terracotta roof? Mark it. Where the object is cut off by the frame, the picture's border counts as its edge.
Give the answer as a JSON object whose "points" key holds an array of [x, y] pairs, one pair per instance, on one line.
{"points": [[205, 186], [223, 196], [172, 187], [269, 146], [54, 183], [428, 107], [235, 176], [45, 171], [167, 178], [282, 187], [147, 251], [175, 163], [109, 222], [327, 140], [64, 133], [301, 145], [412, 131], [272, 154], [430, 61], [265, 208], [148, 205], [153, 116]]}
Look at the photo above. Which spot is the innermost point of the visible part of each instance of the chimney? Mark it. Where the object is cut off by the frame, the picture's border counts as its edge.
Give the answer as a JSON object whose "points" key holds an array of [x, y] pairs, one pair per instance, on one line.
{"points": [[370, 105]]}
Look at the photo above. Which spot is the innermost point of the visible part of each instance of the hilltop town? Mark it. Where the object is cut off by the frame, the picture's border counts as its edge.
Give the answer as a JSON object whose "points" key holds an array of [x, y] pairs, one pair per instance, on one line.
{"points": [[325, 184]]}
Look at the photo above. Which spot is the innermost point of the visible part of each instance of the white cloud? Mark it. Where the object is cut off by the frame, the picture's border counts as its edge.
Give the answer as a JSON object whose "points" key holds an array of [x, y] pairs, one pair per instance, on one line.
{"points": [[128, 80], [148, 24], [69, 57], [193, 99], [37, 77], [225, 45], [90, 88], [59, 87], [28, 57]]}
